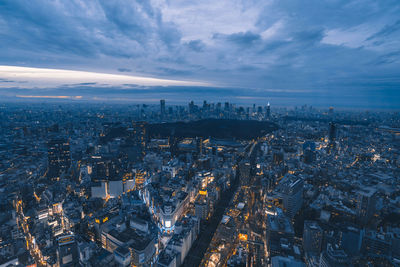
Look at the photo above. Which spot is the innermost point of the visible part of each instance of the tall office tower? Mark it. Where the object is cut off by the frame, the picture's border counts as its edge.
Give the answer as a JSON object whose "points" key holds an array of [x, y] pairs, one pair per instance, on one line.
{"points": [[100, 171], [291, 191], [137, 140], [191, 107], [330, 111], [278, 157], [140, 178], [67, 251], [162, 107], [312, 237], [226, 107], [366, 204], [199, 144], [268, 110], [309, 154], [331, 137], [333, 257], [351, 239], [58, 156], [138, 133], [202, 207], [205, 105], [245, 171], [280, 235], [332, 132]]}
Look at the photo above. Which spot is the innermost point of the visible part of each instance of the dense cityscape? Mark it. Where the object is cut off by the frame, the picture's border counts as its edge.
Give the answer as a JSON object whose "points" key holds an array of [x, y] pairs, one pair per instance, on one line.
{"points": [[205, 184]]}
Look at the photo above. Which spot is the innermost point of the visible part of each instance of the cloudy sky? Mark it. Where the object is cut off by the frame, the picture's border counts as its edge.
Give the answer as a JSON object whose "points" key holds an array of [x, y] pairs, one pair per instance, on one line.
{"points": [[288, 52]]}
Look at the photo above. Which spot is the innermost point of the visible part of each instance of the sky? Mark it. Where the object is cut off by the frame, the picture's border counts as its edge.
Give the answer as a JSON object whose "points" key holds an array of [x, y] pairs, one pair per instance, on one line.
{"points": [[343, 53]]}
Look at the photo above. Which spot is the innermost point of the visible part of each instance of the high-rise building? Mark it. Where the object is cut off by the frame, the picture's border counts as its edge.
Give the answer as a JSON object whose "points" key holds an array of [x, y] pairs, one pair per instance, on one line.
{"points": [[330, 111], [219, 105], [312, 237], [366, 204], [138, 133], [226, 106], [351, 240], [162, 107], [201, 209], [67, 251], [245, 172], [279, 261], [205, 105], [291, 192], [268, 110], [100, 170], [122, 256], [278, 157], [140, 178], [332, 132], [376, 244], [280, 235], [58, 156], [191, 107], [334, 257], [309, 154]]}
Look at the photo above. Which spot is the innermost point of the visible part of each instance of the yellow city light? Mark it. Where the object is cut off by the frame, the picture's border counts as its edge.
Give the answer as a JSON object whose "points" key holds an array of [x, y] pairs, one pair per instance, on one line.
{"points": [[203, 192], [242, 237]]}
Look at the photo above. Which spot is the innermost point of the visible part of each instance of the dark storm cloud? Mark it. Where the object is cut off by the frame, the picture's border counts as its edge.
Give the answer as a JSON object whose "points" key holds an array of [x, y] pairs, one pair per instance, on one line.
{"points": [[245, 39], [309, 37], [386, 31], [174, 72], [34, 26], [196, 45], [6, 81], [124, 70]]}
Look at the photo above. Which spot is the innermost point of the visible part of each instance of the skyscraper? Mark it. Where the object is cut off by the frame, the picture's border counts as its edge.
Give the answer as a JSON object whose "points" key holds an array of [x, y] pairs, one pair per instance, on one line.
{"points": [[334, 257], [191, 107], [162, 107], [332, 132], [366, 204], [138, 133], [312, 237], [330, 111], [58, 156], [67, 251], [291, 191], [309, 154], [268, 111], [226, 107], [279, 231]]}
